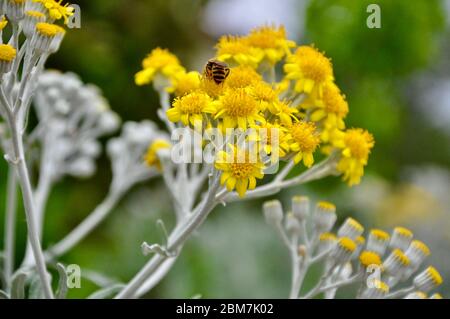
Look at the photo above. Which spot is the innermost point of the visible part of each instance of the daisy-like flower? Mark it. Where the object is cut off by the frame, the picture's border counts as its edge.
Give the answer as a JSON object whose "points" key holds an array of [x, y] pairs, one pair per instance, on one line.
{"points": [[305, 141], [184, 83], [284, 111], [239, 169], [238, 108], [151, 157], [265, 95], [56, 10], [270, 135], [272, 41], [237, 51], [241, 77], [158, 62], [356, 145], [330, 110], [310, 69], [189, 109]]}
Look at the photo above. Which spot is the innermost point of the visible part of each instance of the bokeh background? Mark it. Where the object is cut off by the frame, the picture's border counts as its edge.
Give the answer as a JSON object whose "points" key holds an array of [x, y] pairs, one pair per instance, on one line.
{"points": [[397, 82]]}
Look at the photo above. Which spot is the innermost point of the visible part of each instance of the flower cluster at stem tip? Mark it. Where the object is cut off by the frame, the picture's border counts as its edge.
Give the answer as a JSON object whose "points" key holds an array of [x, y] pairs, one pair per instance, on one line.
{"points": [[305, 105]]}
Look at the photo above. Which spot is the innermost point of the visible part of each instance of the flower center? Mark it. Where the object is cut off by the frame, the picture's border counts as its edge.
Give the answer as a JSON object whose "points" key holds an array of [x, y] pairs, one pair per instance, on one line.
{"points": [[242, 170], [334, 101], [359, 142], [239, 103], [242, 76], [305, 135], [193, 103], [314, 65]]}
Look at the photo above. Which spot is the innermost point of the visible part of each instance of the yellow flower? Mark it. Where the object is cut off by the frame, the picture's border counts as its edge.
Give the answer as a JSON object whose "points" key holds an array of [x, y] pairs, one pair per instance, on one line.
{"points": [[56, 10], [242, 76], [239, 169], [3, 22], [190, 108], [356, 145], [211, 88], [284, 111], [184, 83], [151, 158], [271, 41], [304, 142], [265, 95], [330, 110], [237, 51], [238, 108], [265, 135], [159, 61], [310, 69]]}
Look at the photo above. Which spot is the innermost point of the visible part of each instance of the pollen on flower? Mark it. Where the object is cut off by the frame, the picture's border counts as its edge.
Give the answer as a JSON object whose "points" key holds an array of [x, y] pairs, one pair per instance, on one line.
{"points": [[190, 108], [435, 275], [421, 246], [368, 258], [238, 108], [237, 51], [314, 65], [402, 231], [7, 53], [347, 243], [242, 76], [326, 206], [48, 29], [56, 10], [401, 257], [333, 101], [380, 234], [327, 236]]}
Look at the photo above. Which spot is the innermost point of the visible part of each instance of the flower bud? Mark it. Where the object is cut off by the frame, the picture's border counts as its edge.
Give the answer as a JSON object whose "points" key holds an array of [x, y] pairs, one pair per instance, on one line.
{"points": [[273, 212], [300, 207]]}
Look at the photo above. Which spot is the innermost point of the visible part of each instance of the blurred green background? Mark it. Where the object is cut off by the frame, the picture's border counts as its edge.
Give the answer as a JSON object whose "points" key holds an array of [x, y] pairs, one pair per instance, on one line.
{"points": [[397, 82]]}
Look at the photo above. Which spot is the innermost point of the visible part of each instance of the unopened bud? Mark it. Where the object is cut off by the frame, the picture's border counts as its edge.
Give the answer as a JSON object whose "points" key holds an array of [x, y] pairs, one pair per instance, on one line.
{"points": [[300, 207], [273, 212], [292, 224]]}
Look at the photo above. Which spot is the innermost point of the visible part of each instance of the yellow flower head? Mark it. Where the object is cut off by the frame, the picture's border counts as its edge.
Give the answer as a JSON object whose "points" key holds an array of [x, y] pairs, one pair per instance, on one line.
{"points": [[56, 10], [331, 109], [311, 70], [237, 51], [241, 77], [238, 108], [271, 41], [368, 258], [240, 169], [49, 30], [305, 141], [151, 158], [356, 145], [265, 94], [189, 109], [184, 83], [7, 53], [271, 135], [284, 111], [159, 61], [211, 88]]}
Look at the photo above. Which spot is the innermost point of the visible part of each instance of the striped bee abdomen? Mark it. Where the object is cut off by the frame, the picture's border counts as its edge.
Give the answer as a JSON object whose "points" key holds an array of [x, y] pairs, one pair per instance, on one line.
{"points": [[216, 71]]}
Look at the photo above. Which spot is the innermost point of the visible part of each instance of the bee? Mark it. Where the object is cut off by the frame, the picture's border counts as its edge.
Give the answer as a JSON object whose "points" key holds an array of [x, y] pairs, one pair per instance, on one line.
{"points": [[216, 71]]}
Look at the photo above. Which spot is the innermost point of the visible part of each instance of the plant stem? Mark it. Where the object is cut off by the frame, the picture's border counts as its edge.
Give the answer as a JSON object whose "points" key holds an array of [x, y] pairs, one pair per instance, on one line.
{"points": [[27, 195], [176, 240], [10, 225]]}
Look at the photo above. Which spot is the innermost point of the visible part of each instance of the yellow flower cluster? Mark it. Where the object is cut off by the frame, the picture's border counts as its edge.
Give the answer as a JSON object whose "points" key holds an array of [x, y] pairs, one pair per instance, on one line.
{"points": [[305, 107], [56, 10]]}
